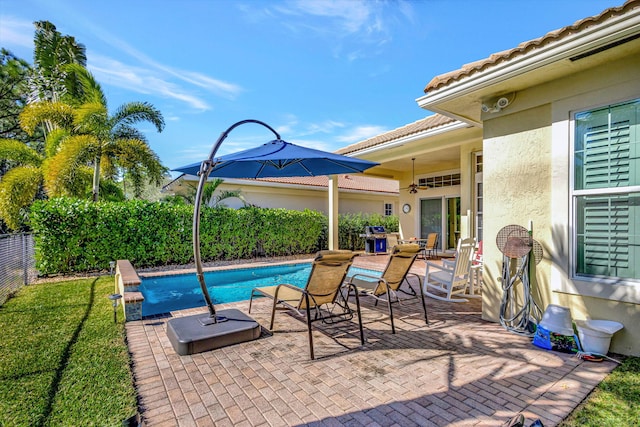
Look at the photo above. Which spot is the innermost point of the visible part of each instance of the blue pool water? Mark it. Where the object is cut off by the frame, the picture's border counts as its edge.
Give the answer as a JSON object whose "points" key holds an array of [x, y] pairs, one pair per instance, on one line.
{"points": [[163, 294]]}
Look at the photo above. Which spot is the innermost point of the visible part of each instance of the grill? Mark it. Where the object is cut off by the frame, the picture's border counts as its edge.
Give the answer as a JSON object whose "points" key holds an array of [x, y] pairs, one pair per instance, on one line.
{"points": [[375, 239]]}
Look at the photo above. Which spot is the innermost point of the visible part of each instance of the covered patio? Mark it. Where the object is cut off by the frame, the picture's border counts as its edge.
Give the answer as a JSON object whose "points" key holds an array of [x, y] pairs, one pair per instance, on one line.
{"points": [[459, 371]]}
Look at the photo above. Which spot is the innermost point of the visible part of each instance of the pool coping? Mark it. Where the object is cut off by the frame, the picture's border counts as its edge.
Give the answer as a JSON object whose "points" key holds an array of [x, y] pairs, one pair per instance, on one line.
{"points": [[242, 266]]}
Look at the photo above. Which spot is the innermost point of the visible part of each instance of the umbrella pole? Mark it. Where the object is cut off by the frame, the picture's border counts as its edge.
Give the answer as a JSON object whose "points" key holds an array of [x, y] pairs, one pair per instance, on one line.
{"points": [[196, 248], [205, 170]]}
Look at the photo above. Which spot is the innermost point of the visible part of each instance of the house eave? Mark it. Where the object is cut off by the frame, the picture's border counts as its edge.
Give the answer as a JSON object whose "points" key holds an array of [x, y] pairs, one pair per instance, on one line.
{"points": [[412, 138], [488, 81]]}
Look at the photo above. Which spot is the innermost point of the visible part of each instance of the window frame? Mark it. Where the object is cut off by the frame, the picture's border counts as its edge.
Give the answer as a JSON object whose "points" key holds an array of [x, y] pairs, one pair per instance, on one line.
{"points": [[389, 211], [574, 195]]}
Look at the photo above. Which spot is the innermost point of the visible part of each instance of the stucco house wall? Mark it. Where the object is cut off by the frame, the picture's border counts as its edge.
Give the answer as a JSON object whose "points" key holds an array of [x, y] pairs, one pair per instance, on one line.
{"points": [[527, 176], [296, 196], [299, 198]]}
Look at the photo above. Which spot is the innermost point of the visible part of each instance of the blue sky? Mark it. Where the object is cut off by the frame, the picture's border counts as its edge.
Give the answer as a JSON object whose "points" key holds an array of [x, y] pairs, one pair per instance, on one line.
{"points": [[324, 74]]}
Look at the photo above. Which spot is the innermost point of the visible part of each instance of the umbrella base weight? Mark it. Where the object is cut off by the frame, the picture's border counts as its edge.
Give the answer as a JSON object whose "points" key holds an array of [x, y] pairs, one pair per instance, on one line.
{"points": [[196, 333]]}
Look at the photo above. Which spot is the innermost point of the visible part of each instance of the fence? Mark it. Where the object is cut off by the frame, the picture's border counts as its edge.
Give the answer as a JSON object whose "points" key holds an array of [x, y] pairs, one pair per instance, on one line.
{"points": [[17, 263]]}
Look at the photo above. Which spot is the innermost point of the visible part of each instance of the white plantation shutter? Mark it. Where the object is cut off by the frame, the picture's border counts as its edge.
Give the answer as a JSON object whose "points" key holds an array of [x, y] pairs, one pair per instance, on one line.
{"points": [[604, 235], [606, 156], [607, 162]]}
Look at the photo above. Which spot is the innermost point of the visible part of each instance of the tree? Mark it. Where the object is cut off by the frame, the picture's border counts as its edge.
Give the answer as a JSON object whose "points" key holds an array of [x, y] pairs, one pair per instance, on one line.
{"points": [[209, 198], [13, 95], [210, 188], [91, 135], [52, 53]]}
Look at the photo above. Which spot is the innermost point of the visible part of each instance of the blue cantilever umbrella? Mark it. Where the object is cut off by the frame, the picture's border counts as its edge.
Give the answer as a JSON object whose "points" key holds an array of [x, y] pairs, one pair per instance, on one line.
{"points": [[279, 158], [274, 159]]}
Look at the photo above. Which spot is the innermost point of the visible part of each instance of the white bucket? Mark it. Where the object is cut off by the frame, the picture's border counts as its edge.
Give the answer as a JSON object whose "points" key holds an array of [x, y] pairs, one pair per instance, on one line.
{"points": [[557, 319], [595, 335]]}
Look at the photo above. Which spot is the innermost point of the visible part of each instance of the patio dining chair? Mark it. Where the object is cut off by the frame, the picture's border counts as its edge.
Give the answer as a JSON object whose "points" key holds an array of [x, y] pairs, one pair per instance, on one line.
{"points": [[387, 286], [321, 295], [431, 246], [451, 278]]}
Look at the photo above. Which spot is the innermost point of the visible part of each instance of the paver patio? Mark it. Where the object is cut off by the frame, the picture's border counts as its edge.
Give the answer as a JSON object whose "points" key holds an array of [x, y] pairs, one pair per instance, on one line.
{"points": [[459, 371]]}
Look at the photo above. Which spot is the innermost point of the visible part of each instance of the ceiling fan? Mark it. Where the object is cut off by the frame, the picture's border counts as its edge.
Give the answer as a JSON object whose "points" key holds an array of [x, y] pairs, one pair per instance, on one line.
{"points": [[413, 187]]}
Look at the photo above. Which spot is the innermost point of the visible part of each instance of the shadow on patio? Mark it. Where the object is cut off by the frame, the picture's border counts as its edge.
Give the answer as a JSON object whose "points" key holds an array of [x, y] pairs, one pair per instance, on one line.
{"points": [[461, 370]]}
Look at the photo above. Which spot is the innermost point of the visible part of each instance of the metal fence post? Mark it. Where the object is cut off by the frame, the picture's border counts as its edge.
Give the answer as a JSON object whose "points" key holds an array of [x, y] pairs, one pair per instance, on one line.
{"points": [[24, 259]]}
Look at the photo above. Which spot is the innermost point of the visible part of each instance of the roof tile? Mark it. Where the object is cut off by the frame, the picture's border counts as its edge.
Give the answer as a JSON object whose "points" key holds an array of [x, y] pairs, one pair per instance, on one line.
{"points": [[421, 125], [526, 47]]}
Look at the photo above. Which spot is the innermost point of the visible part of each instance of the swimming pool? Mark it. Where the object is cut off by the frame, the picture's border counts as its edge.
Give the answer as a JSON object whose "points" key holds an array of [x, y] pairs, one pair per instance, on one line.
{"points": [[163, 294]]}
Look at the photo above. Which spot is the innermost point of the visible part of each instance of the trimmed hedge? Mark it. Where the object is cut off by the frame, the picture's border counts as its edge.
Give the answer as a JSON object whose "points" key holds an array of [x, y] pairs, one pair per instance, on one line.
{"points": [[73, 235]]}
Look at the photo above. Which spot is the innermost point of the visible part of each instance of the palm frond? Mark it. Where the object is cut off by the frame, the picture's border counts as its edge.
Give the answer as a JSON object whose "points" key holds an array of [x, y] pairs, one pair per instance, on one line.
{"points": [[53, 141], [92, 117], [65, 174], [89, 90], [19, 152], [210, 187], [229, 194], [136, 112], [18, 188], [138, 161], [124, 131], [37, 113]]}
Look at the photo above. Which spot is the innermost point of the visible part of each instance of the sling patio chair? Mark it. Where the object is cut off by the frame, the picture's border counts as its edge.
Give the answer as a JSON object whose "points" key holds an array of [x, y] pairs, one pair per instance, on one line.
{"points": [[387, 286], [430, 248], [321, 294], [451, 278]]}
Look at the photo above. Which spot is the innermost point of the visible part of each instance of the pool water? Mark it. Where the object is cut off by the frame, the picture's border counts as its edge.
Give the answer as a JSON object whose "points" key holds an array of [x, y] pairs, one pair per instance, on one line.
{"points": [[163, 294]]}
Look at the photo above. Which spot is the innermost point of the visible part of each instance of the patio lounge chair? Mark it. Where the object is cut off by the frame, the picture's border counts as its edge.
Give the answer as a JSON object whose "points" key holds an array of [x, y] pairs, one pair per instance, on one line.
{"points": [[321, 294], [387, 286], [451, 277]]}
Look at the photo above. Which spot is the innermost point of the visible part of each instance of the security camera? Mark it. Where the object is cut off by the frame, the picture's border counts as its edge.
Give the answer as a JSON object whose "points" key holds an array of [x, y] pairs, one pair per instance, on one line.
{"points": [[485, 108], [502, 102]]}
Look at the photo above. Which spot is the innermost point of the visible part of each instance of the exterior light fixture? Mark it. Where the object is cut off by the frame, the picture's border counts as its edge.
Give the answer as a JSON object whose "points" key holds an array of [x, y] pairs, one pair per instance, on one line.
{"points": [[114, 300], [112, 265], [496, 105]]}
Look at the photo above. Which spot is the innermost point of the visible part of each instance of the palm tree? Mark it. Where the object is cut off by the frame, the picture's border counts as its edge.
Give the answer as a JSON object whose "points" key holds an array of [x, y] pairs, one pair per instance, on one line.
{"points": [[85, 132], [188, 193], [52, 52], [211, 187]]}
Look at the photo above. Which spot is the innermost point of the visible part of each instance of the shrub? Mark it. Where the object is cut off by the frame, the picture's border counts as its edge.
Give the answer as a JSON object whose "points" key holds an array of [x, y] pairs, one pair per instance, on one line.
{"points": [[73, 235]]}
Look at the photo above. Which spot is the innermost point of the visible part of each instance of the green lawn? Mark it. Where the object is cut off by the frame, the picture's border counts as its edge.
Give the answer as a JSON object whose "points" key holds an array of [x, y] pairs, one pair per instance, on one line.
{"points": [[63, 362], [614, 403]]}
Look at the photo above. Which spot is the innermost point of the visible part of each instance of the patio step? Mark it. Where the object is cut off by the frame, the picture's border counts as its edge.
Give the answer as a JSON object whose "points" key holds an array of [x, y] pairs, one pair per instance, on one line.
{"points": [[128, 284]]}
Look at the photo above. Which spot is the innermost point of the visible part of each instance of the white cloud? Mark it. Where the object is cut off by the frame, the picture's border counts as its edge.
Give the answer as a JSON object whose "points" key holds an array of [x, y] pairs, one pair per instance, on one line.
{"points": [[214, 85], [141, 80], [350, 16], [328, 126], [150, 75], [360, 133], [16, 32]]}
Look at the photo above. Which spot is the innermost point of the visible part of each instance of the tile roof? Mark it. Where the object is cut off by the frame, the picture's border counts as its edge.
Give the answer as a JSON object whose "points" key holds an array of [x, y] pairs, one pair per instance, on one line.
{"points": [[345, 182], [528, 46], [421, 125]]}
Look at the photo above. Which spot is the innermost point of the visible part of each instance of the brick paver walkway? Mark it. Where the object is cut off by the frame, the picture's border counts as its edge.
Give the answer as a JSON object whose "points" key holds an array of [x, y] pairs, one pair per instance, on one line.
{"points": [[459, 371]]}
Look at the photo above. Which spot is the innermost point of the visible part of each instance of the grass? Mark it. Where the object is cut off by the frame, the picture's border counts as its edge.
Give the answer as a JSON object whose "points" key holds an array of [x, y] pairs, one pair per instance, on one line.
{"points": [[614, 403], [63, 362]]}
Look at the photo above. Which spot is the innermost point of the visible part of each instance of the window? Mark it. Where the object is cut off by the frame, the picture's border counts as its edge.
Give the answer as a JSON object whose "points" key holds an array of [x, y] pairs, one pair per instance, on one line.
{"points": [[440, 181], [388, 209], [478, 195], [606, 192]]}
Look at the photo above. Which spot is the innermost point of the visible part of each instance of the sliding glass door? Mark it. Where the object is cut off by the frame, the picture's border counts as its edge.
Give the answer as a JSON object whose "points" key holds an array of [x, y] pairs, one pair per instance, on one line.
{"points": [[441, 214]]}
